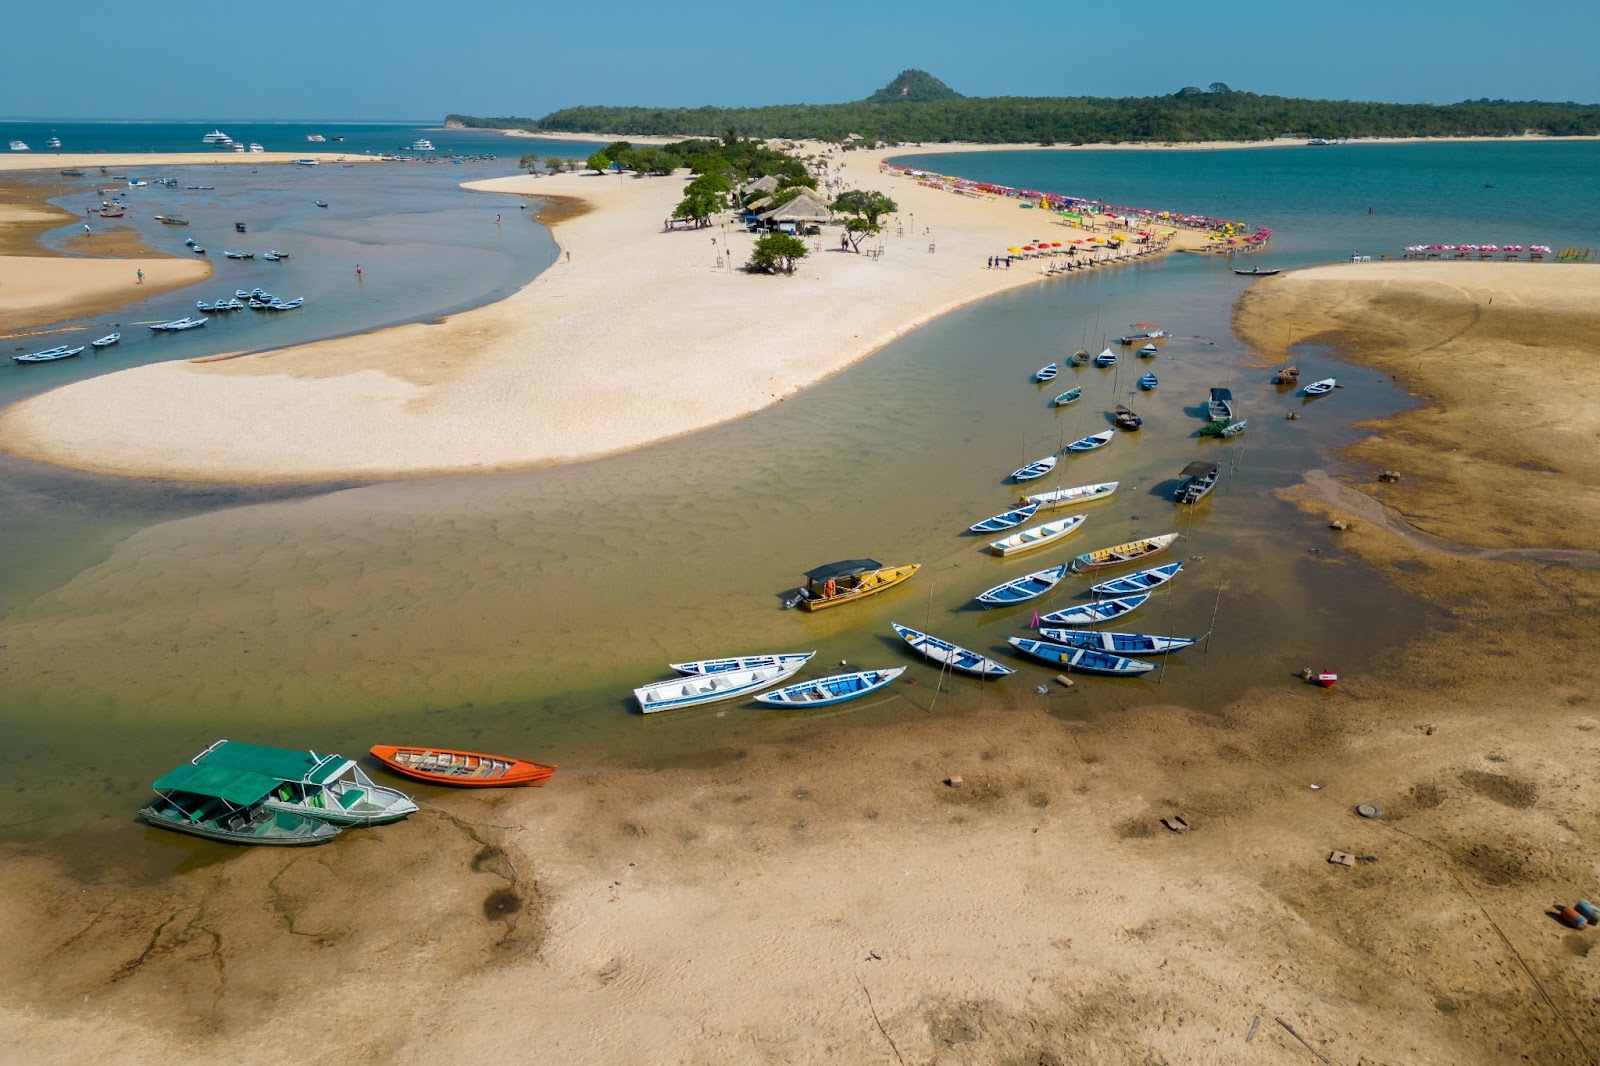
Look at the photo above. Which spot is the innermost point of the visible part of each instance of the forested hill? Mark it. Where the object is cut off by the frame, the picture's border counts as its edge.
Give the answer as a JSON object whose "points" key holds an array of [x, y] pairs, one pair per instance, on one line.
{"points": [[1217, 113]]}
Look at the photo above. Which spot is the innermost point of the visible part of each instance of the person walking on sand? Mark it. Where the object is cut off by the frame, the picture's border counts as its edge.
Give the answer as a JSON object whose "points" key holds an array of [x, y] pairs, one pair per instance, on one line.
{"points": [[140, 272]]}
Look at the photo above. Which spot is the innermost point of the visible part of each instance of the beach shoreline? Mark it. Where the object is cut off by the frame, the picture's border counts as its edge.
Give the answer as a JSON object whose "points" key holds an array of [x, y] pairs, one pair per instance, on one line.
{"points": [[948, 147], [458, 399]]}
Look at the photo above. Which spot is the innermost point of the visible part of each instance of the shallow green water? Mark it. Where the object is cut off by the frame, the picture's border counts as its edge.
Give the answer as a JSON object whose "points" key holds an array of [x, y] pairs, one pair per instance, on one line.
{"points": [[515, 612]]}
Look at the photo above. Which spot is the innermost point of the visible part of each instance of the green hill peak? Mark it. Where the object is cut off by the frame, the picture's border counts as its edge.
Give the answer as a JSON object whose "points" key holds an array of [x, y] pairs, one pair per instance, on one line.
{"points": [[913, 86]]}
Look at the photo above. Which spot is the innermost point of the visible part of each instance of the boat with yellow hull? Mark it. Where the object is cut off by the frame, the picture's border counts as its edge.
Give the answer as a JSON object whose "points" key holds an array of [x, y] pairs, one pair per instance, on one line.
{"points": [[850, 580]]}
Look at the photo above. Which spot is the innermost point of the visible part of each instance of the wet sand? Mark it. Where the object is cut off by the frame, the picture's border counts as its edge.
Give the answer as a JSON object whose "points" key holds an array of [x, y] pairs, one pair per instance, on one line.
{"points": [[531, 380]]}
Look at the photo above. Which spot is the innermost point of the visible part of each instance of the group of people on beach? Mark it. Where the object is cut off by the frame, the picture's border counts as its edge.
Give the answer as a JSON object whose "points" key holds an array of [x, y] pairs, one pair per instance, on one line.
{"points": [[999, 261]]}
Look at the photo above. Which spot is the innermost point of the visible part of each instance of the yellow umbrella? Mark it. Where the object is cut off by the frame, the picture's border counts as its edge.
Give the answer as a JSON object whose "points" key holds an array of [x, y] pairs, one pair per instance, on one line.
{"points": [[1014, 251]]}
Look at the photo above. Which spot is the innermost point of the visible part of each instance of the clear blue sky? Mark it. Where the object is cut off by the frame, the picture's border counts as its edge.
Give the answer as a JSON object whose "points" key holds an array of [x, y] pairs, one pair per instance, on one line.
{"points": [[416, 59]]}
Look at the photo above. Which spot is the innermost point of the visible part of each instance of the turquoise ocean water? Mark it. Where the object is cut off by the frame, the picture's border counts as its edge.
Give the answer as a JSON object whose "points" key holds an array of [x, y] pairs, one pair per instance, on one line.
{"points": [[141, 620]]}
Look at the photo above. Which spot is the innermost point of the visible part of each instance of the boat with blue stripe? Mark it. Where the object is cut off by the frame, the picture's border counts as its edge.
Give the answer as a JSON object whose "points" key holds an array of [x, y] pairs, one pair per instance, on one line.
{"points": [[1081, 659], [827, 691]]}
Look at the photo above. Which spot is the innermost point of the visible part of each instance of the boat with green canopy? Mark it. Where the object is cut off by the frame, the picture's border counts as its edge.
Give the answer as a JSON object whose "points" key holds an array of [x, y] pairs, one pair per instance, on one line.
{"points": [[330, 788], [221, 803]]}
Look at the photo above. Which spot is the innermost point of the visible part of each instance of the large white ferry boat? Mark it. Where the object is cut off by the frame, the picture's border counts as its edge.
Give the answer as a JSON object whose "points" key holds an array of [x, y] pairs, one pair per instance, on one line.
{"points": [[217, 137]]}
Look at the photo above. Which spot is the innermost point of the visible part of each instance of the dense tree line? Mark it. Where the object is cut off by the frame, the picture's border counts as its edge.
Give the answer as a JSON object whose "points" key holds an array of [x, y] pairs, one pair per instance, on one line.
{"points": [[1192, 114]]}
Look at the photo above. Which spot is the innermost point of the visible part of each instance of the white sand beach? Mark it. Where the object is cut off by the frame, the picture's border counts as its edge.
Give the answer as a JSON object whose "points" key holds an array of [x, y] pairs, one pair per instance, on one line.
{"points": [[533, 379]]}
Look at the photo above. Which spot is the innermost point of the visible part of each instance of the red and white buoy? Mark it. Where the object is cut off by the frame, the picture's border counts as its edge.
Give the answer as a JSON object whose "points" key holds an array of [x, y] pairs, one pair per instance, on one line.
{"points": [[1324, 678]]}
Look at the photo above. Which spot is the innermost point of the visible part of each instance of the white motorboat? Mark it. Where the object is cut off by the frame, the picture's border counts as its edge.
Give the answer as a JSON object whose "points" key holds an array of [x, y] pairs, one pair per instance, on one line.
{"points": [[217, 138], [19, 146]]}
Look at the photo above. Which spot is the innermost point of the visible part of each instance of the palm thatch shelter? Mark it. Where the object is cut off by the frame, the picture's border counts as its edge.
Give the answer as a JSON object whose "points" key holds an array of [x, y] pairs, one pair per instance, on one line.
{"points": [[806, 209]]}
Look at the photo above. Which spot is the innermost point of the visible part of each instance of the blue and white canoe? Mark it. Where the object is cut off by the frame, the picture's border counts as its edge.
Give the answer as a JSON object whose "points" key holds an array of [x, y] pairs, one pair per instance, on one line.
{"points": [[1091, 442], [1009, 519], [826, 691], [1023, 589], [692, 690], [1092, 614], [1081, 659], [952, 655], [1116, 643], [1320, 388], [1049, 501], [1037, 536], [107, 341], [1149, 350], [1142, 581], [49, 355], [1034, 470], [1148, 382], [786, 660], [1046, 372], [1106, 358], [1070, 396]]}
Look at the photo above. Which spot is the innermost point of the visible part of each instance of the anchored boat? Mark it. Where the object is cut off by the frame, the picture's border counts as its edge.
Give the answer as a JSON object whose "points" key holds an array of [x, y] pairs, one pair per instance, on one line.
{"points": [[1033, 470], [1116, 643], [1121, 554], [745, 662], [1081, 659], [827, 691], [952, 655], [1141, 581], [1023, 589], [1091, 442], [1090, 614], [220, 803], [1200, 477], [850, 580], [1049, 501], [692, 690], [1037, 536], [1006, 519], [462, 769]]}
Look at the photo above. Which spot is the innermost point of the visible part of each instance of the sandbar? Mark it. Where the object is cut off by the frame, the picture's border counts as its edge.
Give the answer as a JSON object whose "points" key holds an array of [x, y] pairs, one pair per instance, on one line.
{"points": [[39, 284], [532, 380]]}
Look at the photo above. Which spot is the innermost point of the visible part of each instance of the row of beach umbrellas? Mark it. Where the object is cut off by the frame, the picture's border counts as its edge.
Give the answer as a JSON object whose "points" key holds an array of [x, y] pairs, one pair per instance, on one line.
{"points": [[1053, 201], [1542, 249]]}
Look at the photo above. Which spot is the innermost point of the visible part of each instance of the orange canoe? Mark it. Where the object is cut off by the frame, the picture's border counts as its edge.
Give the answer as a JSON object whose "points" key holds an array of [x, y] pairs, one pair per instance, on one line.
{"points": [[466, 769]]}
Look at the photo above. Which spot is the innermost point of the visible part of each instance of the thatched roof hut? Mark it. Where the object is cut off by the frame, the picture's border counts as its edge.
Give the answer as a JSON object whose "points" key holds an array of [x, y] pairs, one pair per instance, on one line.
{"points": [[807, 207]]}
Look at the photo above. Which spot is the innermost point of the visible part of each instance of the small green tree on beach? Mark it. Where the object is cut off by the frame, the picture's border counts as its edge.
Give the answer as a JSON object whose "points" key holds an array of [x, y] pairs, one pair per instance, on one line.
{"points": [[776, 253], [704, 197], [529, 162], [868, 206], [554, 164], [599, 163]]}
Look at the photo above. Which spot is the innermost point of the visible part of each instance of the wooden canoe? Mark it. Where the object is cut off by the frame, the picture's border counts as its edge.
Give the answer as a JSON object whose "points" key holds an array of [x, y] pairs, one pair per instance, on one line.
{"points": [[1037, 536], [463, 769], [1117, 555], [1049, 501]]}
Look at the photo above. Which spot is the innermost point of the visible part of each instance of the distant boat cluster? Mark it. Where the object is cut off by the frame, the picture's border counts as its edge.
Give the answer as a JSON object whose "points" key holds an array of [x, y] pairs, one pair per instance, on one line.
{"points": [[218, 139]]}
